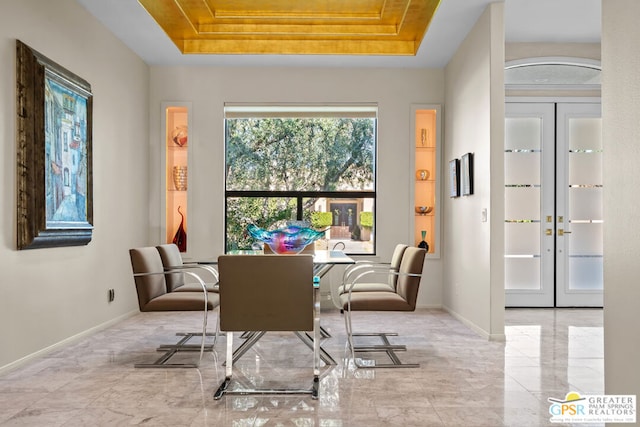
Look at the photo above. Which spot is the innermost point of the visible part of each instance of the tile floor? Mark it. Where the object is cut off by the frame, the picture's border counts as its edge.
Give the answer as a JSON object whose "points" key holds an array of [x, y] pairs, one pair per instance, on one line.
{"points": [[463, 379]]}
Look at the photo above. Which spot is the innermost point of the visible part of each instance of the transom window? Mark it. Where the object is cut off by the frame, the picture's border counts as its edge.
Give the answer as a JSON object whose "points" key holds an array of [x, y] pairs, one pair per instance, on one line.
{"points": [[302, 164]]}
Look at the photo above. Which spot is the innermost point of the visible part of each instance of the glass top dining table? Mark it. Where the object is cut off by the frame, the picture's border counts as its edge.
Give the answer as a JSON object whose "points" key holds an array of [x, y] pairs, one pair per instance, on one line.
{"points": [[323, 260]]}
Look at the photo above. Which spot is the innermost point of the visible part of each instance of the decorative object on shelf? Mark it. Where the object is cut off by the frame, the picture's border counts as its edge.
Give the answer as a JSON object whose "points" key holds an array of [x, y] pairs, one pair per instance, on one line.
{"points": [[423, 244], [454, 178], [180, 136], [422, 174], [289, 240], [423, 136], [423, 210], [180, 178], [466, 165], [180, 239]]}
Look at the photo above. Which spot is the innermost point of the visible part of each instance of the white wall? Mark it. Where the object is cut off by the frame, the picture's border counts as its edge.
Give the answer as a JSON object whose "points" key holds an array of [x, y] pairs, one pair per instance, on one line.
{"points": [[207, 89], [473, 251], [621, 130], [49, 295]]}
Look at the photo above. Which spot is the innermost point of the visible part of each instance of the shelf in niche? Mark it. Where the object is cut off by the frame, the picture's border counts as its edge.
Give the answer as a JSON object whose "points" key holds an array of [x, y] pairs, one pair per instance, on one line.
{"points": [[176, 125], [424, 123]]}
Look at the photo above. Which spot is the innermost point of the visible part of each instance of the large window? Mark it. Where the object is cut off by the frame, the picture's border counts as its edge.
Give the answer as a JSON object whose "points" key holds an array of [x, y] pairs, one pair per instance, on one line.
{"points": [[309, 164]]}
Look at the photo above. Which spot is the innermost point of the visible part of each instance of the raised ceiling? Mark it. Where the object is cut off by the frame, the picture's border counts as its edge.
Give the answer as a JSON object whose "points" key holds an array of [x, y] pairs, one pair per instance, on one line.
{"points": [[310, 27]]}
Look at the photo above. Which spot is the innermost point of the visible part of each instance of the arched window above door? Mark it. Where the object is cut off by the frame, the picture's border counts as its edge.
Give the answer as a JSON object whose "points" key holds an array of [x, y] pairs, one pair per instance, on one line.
{"points": [[553, 73]]}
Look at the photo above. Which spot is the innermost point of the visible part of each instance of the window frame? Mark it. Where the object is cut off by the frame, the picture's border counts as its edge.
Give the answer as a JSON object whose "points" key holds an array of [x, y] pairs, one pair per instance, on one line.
{"points": [[239, 111]]}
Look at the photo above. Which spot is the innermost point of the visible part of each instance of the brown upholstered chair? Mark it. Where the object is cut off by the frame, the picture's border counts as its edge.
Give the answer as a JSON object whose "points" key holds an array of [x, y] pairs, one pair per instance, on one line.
{"points": [[403, 298], [384, 280], [149, 276], [260, 293], [372, 286], [172, 260]]}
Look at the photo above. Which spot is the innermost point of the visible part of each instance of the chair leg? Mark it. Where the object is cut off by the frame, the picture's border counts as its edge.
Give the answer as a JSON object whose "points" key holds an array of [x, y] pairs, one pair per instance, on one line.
{"points": [[347, 325], [224, 386], [215, 340], [252, 338], [185, 346], [170, 351], [222, 389], [315, 388], [386, 347]]}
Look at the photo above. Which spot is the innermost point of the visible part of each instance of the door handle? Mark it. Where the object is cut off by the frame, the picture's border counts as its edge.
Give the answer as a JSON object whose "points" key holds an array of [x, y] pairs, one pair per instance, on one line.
{"points": [[562, 232], [548, 232]]}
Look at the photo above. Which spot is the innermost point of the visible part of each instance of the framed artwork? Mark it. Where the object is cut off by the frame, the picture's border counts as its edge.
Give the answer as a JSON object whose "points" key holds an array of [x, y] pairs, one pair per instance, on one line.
{"points": [[467, 174], [55, 191], [454, 178]]}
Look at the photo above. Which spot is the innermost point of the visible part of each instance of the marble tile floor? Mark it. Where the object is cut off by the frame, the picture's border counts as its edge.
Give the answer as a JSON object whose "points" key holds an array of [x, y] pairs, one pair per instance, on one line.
{"points": [[463, 379]]}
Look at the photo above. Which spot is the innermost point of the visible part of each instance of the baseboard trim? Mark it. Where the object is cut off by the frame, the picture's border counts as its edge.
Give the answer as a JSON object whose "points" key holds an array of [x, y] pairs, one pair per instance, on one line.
{"points": [[28, 358], [484, 334], [430, 306]]}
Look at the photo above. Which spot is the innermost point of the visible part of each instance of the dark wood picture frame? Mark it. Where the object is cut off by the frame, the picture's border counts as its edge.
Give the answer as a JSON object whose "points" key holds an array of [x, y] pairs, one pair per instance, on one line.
{"points": [[54, 153], [454, 178], [467, 174]]}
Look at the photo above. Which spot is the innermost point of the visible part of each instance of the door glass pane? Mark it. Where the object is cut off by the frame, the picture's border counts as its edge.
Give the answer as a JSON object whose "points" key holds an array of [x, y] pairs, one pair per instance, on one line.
{"points": [[523, 133], [522, 168], [522, 203], [586, 204], [585, 167], [523, 137], [585, 133], [586, 239], [523, 239], [522, 273], [585, 273], [522, 262], [584, 243]]}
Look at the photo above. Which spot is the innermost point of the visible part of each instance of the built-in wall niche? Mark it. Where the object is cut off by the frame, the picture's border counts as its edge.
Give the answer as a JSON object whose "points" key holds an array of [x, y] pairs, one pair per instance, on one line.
{"points": [[426, 177], [176, 141]]}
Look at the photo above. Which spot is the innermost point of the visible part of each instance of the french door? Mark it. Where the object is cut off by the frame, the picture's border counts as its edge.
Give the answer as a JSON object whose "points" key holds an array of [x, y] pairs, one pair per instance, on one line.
{"points": [[553, 205]]}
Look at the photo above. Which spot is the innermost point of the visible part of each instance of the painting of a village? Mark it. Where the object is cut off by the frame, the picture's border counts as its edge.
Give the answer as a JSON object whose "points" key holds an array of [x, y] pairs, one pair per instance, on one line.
{"points": [[65, 154]]}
